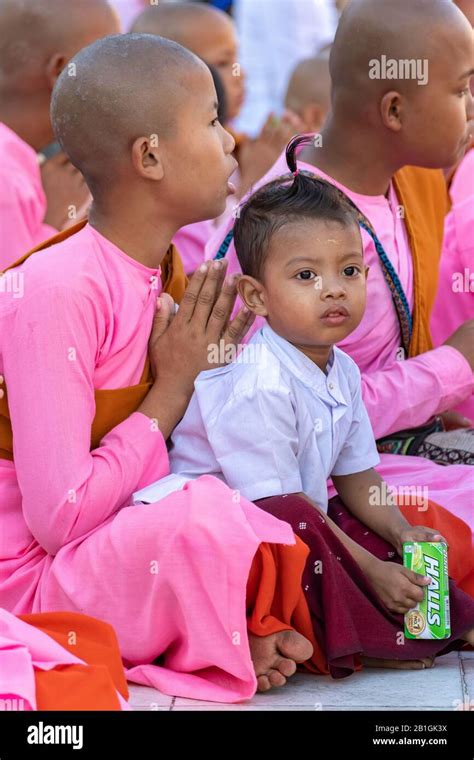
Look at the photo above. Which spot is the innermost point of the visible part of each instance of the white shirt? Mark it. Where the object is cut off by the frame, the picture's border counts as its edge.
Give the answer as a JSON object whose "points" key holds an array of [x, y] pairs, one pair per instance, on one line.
{"points": [[273, 423]]}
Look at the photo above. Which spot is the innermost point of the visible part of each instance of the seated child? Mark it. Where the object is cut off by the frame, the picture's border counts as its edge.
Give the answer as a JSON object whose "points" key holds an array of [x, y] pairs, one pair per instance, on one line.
{"points": [[288, 413]]}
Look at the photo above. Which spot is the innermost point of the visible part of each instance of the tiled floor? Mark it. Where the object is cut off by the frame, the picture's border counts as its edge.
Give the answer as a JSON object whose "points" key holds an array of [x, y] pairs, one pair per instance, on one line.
{"points": [[447, 686]]}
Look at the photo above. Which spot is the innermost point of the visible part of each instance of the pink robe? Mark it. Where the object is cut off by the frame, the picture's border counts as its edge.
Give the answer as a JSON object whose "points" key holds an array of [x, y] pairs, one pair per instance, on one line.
{"points": [[24, 649], [455, 299], [171, 576], [397, 394], [22, 199]]}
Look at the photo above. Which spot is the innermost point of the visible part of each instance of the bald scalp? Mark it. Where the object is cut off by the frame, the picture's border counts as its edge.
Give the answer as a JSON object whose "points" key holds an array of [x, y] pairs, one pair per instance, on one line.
{"points": [[181, 22], [370, 29], [309, 83], [122, 87], [31, 31]]}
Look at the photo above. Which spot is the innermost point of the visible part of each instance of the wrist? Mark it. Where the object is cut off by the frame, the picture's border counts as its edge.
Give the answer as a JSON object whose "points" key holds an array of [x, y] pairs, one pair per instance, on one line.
{"points": [[370, 566], [166, 405], [367, 561], [395, 530]]}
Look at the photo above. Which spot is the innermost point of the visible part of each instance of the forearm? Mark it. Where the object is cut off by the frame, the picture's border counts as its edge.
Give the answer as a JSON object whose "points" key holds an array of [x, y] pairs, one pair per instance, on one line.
{"points": [[365, 496], [409, 392], [165, 407], [66, 494], [67, 488]]}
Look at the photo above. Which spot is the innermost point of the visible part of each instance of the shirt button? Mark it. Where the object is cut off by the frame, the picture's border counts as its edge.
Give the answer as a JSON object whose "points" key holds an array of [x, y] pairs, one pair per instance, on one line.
{"points": [[331, 385]]}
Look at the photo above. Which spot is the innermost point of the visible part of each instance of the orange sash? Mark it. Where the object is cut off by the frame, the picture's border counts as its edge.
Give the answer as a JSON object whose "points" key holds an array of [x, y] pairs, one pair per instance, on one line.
{"points": [[92, 686], [424, 197]]}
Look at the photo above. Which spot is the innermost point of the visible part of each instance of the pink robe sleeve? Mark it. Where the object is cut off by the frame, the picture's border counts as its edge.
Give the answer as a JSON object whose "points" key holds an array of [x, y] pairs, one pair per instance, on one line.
{"points": [[21, 230], [458, 245], [409, 392], [49, 360]]}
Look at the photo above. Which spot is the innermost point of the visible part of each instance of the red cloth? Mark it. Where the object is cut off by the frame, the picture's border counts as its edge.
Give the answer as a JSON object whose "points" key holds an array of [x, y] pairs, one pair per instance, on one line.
{"points": [[456, 532], [275, 598], [348, 617]]}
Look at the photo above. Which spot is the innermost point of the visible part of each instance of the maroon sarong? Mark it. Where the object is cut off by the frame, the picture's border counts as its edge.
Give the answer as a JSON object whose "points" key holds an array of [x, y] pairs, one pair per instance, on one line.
{"points": [[348, 617]]}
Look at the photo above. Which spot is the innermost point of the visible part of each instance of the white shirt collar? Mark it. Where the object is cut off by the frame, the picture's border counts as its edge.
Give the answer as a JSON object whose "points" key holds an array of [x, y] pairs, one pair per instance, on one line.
{"points": [[300, 366]]}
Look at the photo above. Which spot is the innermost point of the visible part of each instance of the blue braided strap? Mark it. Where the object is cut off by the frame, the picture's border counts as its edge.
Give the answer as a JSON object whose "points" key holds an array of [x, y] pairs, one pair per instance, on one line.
{"points": [[225, 245], [393, 281]]}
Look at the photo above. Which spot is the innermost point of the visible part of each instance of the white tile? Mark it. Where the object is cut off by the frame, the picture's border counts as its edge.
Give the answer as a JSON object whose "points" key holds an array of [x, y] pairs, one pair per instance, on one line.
{"points": [[147, 698], [244, 707], [371, 708], [467, 663], [437, 688]]}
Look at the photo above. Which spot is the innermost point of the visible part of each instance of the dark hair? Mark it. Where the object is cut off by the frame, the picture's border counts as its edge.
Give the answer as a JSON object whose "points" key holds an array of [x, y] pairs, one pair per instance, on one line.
{"points": [[300, 195]]}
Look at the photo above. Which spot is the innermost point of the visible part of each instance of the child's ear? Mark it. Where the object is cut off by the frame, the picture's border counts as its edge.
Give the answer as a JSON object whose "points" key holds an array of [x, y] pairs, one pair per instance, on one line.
{"points": [[146, 158], [252, 294], [391, 110]]}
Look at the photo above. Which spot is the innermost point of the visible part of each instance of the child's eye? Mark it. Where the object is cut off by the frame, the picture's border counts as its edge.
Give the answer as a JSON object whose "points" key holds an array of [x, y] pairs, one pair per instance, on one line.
{"points": [[351, 271], [306, 274], [215, 122], [464, 92]]}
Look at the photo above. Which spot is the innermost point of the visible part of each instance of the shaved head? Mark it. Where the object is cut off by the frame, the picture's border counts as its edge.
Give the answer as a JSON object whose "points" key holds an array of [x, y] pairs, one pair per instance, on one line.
{"points": [[406, 29], [122, 87], [184, 22], [209, 33], [310, 83], [33, 31]]}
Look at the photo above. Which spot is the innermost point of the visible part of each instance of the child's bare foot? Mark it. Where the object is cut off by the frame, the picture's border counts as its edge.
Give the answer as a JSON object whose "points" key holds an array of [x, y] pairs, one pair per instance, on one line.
{"points": [[469, 637], [373, 662], [275, 656]]}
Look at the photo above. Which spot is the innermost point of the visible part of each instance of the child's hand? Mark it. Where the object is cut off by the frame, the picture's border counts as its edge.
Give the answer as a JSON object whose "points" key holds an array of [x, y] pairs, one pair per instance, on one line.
{"points": [[399, 588], [416, 533]]}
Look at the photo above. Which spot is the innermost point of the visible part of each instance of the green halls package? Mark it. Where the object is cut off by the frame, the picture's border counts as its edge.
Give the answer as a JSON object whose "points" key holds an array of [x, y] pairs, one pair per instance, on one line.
{"points": [[430, 618]]}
